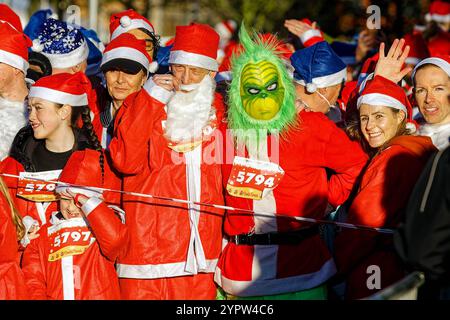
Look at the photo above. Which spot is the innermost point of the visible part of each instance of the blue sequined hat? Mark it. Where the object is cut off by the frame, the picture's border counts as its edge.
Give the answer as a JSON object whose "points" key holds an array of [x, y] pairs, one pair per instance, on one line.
{"points": [[63, 44], [318, 66]]}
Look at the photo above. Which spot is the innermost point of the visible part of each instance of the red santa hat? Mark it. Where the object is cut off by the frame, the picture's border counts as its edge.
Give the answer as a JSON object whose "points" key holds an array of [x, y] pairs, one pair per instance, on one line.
{"points": [[442, 61], [195, 45], [128, 53], [383, 92], [418, 48], [14, 47], [128, 20], [62, 88], [439, 44], [82, 169], [7, 15], [439, 11], [226, 28]]}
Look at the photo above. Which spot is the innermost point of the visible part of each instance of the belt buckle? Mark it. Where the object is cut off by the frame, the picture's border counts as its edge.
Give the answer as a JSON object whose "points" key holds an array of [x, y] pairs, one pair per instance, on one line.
{"points": [[240, 239]]}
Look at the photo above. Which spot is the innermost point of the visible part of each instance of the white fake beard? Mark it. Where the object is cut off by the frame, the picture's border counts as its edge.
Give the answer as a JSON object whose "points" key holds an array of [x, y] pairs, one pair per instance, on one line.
{"points": [[189, 112], [13, 117]]}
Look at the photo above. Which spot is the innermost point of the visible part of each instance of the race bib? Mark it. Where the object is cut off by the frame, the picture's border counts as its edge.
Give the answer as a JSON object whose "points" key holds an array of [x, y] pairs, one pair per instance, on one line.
{"points": [[69, 238], [38, 190], [252, 179]]}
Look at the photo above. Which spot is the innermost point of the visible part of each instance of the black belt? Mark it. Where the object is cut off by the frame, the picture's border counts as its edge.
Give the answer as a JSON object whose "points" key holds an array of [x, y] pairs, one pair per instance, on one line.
{"points": [[291, 237]]}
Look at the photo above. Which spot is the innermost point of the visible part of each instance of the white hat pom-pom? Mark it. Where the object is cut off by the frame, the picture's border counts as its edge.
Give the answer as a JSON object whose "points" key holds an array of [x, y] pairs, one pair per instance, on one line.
{"points": [[153, 67], [411, 127], [311, 87], [37, 46], [53, 16], [125, 21]]}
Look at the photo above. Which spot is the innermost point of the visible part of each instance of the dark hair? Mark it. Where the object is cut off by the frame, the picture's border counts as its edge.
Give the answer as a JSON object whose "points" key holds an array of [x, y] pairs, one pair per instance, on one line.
{"points": [[92, 136], [155, 40], [88, 128], [353, 130]]}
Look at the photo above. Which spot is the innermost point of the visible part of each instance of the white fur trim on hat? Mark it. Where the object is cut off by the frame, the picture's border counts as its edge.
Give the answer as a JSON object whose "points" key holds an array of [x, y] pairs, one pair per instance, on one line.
{"points": [[125, 21], [193, 59], [130, 24], [14, 60], [153, 67], [37, 46], [441, 63], [411, 127], [70, 59], [327, 81], [437, 17], [126, 53], [310, 34], [58, 96], [379, 99]]}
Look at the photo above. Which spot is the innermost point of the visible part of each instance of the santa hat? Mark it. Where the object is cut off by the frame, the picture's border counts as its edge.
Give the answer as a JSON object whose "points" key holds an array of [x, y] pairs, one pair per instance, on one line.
{"points": [[14, 47], [96, 49], [442, 62], [439, 44], [367, 68], [418, 48], [62, 88], [129, 53], [383, 92], [128, 20], [318, 66], [195, 45], [7, 15], [439, 12], [36, 22], [63, 44], [346, 51], [83, 170], [226, 28]]}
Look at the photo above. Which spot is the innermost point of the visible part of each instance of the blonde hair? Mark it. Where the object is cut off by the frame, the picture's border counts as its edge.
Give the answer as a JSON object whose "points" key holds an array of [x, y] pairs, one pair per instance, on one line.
{"points": [[16, 217]]}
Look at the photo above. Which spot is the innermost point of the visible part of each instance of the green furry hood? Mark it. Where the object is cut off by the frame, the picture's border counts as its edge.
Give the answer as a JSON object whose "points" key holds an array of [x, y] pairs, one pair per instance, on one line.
{"points": [[254, 51]]}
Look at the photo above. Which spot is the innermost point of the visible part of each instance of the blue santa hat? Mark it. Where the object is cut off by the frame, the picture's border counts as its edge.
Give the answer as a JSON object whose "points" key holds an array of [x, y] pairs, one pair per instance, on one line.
{"points": [[318, 66], [62, 43], [346, 51], [36, 22], [162, 57], [96, 49]]}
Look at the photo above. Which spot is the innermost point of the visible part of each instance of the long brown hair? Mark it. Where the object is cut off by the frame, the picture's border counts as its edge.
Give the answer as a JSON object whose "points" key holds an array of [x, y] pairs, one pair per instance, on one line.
{"points": [[353, 130], [16, 217]]}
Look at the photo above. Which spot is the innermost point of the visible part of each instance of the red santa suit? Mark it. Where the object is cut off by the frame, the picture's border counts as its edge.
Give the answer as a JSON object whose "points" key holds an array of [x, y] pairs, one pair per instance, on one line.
{"points": [[67, 262], [12, 283], [174, 246], [71, 260], [304, 191], [382, 197], [173, 251], [383, 193]]}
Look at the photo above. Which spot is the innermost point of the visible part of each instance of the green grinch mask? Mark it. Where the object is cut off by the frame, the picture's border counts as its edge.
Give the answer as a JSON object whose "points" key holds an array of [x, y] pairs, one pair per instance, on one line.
{"points": [[261, 95], [261, 91]]}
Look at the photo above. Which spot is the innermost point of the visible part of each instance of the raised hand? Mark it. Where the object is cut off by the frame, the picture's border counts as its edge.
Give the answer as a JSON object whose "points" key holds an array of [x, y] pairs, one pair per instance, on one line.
{"points": [[298, 27], [390, 65]]}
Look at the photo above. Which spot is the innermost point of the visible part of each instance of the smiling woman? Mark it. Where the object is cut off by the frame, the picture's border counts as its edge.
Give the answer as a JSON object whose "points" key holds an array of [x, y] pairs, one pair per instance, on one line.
{"points": [[398, 157]]}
